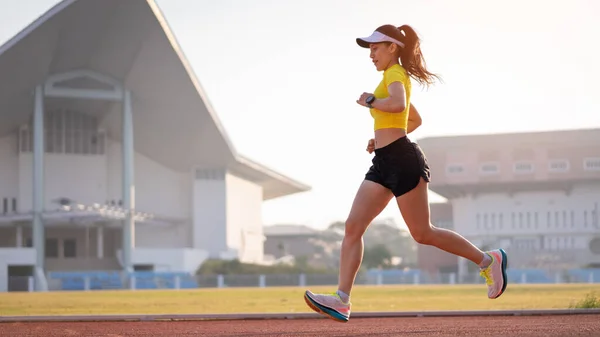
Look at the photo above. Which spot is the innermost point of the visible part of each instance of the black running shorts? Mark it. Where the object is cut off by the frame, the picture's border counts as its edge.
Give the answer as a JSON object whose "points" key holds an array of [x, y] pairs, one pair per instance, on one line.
{"points": [[399, 166]]}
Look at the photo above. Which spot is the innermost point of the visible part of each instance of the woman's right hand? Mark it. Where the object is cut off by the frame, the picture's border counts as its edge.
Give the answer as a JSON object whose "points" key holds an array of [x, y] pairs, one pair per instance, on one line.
{"points": [[371, 146]]}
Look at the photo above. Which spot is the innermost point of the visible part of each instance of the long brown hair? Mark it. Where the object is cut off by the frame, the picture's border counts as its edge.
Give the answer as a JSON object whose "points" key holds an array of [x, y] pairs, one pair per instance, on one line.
{"points": [[411, 56]]}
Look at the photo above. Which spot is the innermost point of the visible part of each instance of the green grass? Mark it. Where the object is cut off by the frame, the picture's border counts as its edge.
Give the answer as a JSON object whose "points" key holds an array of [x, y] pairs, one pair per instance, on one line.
{"points": [[289, 300], [589, 302]]}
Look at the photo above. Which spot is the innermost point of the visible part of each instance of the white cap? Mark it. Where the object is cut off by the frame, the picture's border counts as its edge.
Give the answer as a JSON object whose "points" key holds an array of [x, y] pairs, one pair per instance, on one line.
{"points": [[378, 36]]}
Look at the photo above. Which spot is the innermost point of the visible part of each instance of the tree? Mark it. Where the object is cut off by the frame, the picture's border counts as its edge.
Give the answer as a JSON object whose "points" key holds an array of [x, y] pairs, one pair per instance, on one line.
{"points": [[377, 256], [339, 225], [301, 262], [281, 248]]}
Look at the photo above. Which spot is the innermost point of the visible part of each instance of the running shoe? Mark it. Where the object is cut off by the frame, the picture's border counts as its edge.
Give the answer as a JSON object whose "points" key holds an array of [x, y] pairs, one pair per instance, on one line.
{"points": [[330, 305], [495, 273]]}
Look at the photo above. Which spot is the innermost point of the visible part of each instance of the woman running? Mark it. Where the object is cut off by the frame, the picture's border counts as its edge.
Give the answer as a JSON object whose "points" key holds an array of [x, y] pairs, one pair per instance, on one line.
{"points": [[399, 170]]}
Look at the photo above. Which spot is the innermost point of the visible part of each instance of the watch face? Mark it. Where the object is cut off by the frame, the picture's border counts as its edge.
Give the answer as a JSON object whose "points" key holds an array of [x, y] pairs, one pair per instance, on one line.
{"points": [[370, 99]]}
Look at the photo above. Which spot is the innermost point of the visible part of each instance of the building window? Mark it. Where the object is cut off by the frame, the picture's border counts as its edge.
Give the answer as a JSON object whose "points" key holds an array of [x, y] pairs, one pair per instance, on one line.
{"points": [[455, 169], [572, 219], [52, 247], [9, 205], [500, 220], [25, 141], [69, 248], [558, 165], [591, 164], [595, 217], [210, 174], [447, 224], [520, 220], [523, 167], [65, 131], [489, 168]]}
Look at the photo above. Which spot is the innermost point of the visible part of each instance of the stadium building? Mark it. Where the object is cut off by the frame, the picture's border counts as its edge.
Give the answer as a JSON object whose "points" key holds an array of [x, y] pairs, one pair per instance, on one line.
{"points": [[537, 195], [111, 157]]}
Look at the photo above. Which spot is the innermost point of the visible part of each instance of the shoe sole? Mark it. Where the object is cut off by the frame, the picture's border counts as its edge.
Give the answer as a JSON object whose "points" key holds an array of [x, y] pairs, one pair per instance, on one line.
{"points": [[325, 311], [504, 276]]}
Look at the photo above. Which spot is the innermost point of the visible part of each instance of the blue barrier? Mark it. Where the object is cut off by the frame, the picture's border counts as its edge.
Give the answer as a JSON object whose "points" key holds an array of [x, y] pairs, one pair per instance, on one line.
{"points": [[113, 280], [92, 280], [97, 279]]}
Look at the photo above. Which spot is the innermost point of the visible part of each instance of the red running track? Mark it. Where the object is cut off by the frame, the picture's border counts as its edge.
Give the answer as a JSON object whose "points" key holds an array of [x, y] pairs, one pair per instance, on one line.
{"points": [[547, 326]]}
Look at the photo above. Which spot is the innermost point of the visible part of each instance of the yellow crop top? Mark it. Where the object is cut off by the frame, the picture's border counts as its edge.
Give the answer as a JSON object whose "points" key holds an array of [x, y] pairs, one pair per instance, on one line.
{"points": [[395, 73]]}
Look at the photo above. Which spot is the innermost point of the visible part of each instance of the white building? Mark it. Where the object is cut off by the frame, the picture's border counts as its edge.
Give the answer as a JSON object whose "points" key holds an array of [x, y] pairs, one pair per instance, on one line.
{"points": [[98, 105], [537, 195]]}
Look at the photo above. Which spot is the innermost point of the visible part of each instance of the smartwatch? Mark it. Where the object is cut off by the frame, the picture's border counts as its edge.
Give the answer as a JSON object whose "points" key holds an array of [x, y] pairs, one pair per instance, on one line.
{"points": [[370, 101]]}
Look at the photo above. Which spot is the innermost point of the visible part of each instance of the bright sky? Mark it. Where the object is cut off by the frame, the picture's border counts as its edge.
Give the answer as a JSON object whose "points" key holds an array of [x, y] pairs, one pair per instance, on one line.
{"points": [[284, 76]]}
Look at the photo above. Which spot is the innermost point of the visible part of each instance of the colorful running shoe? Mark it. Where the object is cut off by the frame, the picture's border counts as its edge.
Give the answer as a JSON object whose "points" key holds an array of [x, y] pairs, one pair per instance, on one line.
{"points": [[330, 305], [495, 273]]}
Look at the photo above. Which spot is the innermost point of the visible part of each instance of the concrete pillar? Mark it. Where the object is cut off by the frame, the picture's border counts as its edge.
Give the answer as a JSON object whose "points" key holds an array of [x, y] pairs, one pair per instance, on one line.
{"points": [[19, 236], [38, 187], [128, 183], [100, 242]]}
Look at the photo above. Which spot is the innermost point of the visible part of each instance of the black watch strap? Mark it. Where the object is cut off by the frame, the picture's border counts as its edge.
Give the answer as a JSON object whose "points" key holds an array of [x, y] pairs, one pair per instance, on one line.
{"points": [[370, 101]]}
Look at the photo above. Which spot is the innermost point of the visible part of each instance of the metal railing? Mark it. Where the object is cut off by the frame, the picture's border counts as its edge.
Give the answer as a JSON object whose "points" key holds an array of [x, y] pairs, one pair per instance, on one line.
{"points": [[182, 281]]}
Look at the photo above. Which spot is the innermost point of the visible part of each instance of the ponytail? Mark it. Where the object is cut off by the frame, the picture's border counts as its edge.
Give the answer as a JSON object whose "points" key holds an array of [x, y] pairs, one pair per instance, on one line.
{"points": [[412, 58]]}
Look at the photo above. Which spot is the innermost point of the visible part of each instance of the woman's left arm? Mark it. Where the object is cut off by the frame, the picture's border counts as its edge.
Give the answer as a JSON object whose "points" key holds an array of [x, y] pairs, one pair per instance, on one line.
{"points": [[414, 119]]}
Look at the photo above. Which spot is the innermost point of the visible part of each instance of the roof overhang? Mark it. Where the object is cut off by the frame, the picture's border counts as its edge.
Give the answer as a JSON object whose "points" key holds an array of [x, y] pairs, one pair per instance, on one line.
{"points": [[581, 137], [131, 42], [452, 191], [274, 184], [85, 214]]}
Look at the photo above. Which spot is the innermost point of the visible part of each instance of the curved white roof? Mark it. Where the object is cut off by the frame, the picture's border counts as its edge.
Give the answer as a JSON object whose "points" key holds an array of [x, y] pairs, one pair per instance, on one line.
{"points": [[174, 123]]}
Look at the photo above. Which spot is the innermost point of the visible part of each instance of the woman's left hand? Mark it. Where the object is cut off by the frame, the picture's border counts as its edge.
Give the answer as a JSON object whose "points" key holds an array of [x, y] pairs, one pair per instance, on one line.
{"points": [[363, 98]]}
